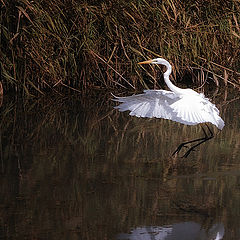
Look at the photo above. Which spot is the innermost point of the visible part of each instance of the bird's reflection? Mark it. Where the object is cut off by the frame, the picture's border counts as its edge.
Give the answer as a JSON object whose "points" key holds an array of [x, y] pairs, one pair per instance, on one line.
{"points": [[178, 231]]}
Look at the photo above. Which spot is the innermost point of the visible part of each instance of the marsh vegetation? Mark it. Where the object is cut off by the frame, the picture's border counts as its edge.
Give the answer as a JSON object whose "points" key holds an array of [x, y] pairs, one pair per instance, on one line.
{"points": [[53, 45]]}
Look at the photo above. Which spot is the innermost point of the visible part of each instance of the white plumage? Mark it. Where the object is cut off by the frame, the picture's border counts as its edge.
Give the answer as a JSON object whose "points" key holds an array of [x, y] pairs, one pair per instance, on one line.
{"points": [[180, 105]]}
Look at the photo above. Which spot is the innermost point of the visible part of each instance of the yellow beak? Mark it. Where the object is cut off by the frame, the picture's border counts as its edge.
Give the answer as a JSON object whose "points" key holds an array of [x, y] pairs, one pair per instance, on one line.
{"points": [[146, 62]]}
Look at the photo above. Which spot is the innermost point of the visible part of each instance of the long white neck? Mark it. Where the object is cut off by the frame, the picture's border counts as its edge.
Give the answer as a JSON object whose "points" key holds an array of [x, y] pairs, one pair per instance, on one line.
{"points": [[170, 85]]}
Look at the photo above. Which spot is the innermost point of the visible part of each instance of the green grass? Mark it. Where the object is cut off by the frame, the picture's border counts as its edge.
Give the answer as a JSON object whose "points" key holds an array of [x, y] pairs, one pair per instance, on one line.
{"points": [[53, 45]]}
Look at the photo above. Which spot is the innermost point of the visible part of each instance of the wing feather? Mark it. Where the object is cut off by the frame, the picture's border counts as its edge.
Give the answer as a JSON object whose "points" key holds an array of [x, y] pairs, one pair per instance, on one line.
{"points": [[186, 109], [191, 110], [152, 103]]}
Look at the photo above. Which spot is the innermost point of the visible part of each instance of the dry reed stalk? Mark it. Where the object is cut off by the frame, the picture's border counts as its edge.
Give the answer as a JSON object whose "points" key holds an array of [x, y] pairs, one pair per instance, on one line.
{"points": [[114, 71]]}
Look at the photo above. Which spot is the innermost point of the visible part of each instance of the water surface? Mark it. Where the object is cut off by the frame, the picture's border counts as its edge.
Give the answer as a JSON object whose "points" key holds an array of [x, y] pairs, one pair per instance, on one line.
{"points": [[75, 168]]}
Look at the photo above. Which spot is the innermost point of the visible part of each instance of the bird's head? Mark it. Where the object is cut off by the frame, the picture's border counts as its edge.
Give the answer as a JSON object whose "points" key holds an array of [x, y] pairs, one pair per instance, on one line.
{"points": [[156, 61], [159, 61]]}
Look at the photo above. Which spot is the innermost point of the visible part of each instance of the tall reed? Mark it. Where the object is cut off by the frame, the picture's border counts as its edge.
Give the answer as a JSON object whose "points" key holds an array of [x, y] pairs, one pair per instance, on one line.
{"points": [[90, 44]]}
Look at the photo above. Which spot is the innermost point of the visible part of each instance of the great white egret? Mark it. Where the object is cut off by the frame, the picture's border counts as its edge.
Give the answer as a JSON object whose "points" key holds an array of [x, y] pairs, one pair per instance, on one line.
{"points": [[180, 105]]}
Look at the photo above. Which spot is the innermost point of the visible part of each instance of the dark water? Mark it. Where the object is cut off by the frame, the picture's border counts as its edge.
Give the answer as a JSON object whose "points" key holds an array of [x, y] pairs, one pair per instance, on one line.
{"points": [[74, 168]]}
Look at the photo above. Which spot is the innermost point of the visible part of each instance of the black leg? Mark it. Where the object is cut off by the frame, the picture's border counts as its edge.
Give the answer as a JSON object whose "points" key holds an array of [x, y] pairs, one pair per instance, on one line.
{"points": [[199, 140]]}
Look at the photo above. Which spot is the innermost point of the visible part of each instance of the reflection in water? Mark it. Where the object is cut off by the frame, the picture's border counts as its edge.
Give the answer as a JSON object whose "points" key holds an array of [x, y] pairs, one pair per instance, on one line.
{"points": [[73, 171], [178, 231]]}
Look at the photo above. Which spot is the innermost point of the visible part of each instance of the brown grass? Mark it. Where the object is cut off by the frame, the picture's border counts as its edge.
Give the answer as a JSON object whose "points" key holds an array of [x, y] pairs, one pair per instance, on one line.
{"points": [[53, 45]]}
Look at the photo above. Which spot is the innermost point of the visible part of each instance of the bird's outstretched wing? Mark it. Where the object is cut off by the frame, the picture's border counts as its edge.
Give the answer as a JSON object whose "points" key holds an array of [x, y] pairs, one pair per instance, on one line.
{"points": [[189, 110], [150, 104]]}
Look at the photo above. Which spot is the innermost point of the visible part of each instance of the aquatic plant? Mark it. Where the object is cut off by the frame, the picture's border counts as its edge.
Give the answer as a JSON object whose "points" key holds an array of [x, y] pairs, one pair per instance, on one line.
{"points": [[52, 45]]}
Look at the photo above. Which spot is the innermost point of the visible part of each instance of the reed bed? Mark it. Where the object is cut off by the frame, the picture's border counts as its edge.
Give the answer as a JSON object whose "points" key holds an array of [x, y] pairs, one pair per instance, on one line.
{"points": [[78, 45]]}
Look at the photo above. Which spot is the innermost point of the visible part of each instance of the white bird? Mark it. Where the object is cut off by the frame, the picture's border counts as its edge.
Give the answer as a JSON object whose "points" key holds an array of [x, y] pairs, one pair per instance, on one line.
{"points": [[180, 105]]}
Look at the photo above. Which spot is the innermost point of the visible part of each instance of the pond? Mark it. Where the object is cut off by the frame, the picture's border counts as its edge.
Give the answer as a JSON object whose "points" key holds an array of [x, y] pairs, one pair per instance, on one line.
{"points": [[75, 168]]}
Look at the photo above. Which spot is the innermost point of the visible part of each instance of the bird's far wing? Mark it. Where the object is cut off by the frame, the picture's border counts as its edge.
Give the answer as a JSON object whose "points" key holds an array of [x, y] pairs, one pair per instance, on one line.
{"points": [[150, 104], [192, 110]]}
